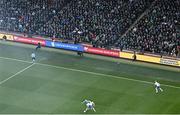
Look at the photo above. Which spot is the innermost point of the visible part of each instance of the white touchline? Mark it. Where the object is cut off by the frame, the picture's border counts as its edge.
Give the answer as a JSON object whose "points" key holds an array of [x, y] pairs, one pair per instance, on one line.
{"points": [[3, 81], [83, 71]]}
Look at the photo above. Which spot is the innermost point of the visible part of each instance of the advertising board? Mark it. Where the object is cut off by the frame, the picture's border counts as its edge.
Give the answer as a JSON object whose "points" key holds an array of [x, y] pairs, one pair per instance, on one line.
{"points": [[29, 40], [8, 37], [101, 51], [66, 46], [169, 62]]}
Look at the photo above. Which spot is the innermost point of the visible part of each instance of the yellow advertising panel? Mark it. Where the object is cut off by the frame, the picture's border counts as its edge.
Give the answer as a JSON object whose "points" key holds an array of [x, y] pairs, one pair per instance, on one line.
{"points": [[151, 59], [148, 58], [8, 37], [140, 57], [126, 55], [1, 36]]}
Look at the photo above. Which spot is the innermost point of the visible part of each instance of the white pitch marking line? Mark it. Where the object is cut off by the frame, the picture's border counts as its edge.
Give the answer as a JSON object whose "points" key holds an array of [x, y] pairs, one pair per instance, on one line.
{"points": [[15, 59], [100, 74], [1, 82]]}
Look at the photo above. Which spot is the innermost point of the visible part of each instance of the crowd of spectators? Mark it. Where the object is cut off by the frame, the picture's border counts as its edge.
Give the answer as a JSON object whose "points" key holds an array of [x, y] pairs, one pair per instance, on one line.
{"points": [[27, 16], [98, 22], [157, 32], [95, 21]]}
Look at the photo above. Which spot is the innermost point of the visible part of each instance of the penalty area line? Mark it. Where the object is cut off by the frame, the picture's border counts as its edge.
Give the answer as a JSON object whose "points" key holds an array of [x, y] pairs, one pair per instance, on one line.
{"points": [[83, 71]]}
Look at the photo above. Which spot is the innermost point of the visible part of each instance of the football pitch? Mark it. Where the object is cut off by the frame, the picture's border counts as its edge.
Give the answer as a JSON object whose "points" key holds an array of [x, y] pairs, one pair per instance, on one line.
{"points": [[60, 80]]}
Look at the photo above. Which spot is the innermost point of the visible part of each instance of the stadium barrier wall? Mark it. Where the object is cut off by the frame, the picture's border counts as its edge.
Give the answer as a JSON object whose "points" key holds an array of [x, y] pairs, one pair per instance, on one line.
{"points": [[101, 51], [33, 41], [66, 46]]}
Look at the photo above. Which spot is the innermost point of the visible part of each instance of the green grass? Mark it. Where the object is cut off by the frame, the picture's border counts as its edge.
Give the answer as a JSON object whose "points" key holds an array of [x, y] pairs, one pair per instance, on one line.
{"points": [[60, 80]]}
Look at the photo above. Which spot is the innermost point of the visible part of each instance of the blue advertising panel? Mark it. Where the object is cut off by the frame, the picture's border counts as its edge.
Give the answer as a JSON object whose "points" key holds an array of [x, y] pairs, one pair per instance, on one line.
{"points": [[65, 46]]}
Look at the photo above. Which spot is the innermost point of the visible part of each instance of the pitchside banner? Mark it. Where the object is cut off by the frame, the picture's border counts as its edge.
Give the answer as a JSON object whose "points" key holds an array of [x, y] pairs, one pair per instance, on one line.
{"points": [[126, 55], [65, 46], [100, 51], [29, 40], [148, 58], [169, 62], [8, 37]]}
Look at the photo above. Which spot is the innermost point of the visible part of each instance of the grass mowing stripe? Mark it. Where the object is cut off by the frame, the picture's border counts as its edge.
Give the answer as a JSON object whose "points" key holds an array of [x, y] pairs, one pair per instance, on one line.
{"points": [[3, 81], [100, 74]]}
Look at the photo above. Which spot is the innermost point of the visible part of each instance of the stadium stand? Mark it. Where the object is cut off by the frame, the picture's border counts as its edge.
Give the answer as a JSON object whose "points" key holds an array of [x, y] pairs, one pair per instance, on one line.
{"points": [[101, 23], [95, 21], [27, 15], [157, 32]]}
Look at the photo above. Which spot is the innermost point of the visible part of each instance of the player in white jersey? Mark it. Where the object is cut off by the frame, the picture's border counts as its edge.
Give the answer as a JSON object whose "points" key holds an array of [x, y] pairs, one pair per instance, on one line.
{"points": [[157, 87], [89, 105], [33, 56], [86, 101]]}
